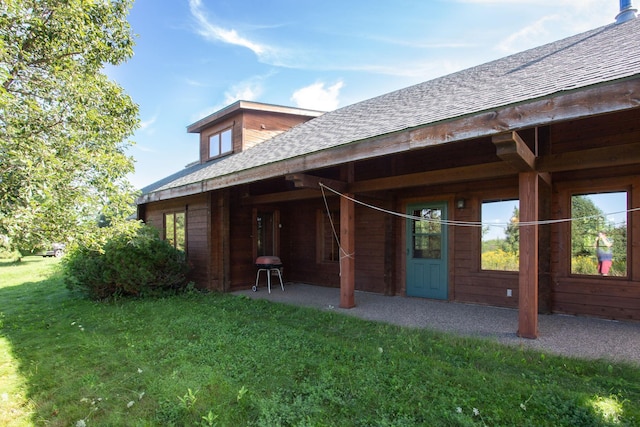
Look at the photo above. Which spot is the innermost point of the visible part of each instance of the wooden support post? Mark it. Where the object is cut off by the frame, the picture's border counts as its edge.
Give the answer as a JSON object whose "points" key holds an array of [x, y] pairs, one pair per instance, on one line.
{"points": [[347, 254], [528, 279]]}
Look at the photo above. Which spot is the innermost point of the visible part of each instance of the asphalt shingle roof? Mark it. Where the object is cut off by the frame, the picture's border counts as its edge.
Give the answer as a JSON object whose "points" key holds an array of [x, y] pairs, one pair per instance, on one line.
{"points": [[595, 57]]}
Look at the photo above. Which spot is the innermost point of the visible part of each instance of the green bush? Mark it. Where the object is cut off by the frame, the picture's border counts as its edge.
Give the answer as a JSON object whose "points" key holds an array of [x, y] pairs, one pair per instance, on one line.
{"points": [[132, 262]]}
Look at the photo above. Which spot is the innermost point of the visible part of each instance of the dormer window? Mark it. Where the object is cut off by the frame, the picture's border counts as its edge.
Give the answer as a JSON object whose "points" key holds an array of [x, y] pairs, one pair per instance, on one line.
{"points": [[220, 143]]}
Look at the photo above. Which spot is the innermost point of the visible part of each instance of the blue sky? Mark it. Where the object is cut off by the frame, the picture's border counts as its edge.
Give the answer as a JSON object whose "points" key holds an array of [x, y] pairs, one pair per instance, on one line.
{"points": [[194, 57]]}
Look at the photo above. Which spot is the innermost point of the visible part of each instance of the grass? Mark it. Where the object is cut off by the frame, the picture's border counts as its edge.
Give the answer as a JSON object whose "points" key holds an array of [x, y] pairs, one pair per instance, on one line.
{"points": [[217, 359]]}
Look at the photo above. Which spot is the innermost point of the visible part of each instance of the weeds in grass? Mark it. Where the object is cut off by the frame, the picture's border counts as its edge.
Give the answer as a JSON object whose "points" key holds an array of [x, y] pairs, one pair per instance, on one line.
{"points": [[215, 359]]}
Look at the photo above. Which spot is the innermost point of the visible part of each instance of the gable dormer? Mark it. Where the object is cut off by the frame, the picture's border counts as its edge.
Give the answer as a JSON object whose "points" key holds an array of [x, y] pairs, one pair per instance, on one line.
{"points": [[244, 124]]}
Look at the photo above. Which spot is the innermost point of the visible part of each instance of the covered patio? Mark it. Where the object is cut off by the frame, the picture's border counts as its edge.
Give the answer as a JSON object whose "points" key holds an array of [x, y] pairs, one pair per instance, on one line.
{"points": [[574, 336]]}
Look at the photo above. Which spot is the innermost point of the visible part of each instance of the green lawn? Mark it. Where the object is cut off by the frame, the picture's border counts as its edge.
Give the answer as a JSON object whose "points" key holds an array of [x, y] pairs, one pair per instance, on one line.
{"points": [[230, 361]]}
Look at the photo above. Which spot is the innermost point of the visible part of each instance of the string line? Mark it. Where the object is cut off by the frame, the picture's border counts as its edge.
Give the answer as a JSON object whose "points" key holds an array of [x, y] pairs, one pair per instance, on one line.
{"points": [[463, 223]]}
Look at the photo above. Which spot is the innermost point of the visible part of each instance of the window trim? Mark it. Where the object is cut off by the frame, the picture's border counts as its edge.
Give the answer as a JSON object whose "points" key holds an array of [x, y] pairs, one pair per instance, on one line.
{"points": [[322, 228], [562, 209], [218, 135], [505, 198], [586, 191], [174, 241]]}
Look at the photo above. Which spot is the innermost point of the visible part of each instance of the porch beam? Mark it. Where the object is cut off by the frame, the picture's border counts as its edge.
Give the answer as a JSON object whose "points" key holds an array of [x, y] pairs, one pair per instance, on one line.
{"points": [[440, 176], [528, 276], [609, 156], [302, 180], [511, 148], [615, 155], [284, 196]]}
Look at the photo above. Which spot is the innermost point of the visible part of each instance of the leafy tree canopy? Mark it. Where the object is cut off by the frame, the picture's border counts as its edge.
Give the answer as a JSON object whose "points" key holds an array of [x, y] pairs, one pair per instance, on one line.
{"points": [[64, 126]]}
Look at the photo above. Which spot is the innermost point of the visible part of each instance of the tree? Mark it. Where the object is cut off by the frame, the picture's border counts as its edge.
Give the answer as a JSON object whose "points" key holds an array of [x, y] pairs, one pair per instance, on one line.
{"points": [[64, 126], [588, 219], [512, 233]]}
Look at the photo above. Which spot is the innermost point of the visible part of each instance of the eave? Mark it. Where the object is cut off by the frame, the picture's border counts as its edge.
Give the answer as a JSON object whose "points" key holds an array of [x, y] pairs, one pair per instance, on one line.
{"points": [[237, 106], [606, 98]]}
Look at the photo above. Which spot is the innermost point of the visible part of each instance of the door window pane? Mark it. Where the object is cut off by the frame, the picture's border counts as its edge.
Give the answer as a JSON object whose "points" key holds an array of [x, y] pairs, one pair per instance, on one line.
{"points": [[427, 233]]}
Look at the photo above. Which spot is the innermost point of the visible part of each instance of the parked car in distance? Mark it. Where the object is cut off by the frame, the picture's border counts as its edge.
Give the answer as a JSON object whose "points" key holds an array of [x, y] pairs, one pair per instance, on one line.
{"points": [[56, 250]]}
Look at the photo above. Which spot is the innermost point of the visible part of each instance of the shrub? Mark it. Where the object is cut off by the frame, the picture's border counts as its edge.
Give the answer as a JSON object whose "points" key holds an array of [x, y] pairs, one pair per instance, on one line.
{"points": [[500, 260], [132, 262]]}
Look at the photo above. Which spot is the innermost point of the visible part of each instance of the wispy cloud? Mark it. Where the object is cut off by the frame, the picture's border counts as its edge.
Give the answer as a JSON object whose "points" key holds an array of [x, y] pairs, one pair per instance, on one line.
{"points": [[527, 36], [147, 125], [216, 33], [195, 83], [144, 148], [318, 97], [248, 90], [567, 17]]}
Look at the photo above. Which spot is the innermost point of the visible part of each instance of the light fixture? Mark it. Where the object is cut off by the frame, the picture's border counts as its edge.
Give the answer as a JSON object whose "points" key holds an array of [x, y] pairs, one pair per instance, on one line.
{"points": [[460, 203]]}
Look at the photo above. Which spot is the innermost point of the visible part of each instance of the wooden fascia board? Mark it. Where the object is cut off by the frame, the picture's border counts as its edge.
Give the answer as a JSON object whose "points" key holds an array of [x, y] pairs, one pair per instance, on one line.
{"points": [[512, 149], [617, 155], [607, 98]]}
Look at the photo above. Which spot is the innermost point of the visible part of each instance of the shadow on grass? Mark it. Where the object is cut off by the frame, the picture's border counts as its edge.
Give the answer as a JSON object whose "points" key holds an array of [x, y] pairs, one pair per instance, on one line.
{"points": [[55, 364], [236, 361]]}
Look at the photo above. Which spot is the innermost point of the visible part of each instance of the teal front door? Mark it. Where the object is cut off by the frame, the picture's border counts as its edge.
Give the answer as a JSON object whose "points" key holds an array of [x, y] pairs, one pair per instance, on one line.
{"points": [[427, 272]]}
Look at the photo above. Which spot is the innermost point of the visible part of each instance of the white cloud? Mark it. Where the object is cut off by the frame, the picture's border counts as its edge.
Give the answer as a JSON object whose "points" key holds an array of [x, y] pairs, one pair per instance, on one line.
{"points": [[216, 33], [146, 125], [317, 97], [527, 36], [195, 83], [248, 90], [568, 17]]}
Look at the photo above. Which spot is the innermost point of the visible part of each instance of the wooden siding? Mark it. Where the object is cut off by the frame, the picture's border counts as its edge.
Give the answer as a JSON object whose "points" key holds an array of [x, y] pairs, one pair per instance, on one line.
{"points": [[298, 244], [249, 128], [609, 297], [197, 219], [565, 151], [258, 126]]}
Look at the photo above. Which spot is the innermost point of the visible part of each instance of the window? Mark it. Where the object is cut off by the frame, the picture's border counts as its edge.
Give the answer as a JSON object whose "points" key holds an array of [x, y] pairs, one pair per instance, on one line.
{"points": [[220, 143], [599, 234], [266, 241], [427, 233], [175, 231], [328, 231], [500, 235]]}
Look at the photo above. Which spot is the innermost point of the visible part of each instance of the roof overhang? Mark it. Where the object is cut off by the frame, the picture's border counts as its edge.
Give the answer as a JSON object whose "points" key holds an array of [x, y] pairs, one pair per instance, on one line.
{"points": [[249, 106], [571, 105]]}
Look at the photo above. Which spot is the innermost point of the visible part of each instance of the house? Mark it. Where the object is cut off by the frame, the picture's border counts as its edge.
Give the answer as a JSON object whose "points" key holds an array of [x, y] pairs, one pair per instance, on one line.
{"points": [[542, 129]]}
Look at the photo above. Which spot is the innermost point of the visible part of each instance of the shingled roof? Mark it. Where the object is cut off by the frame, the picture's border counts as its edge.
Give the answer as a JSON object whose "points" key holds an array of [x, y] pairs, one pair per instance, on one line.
{"points": [[600, 56]]}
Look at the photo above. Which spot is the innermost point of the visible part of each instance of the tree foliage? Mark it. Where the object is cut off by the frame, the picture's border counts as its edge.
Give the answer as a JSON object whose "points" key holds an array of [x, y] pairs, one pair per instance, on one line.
{"points": [[588, 220], [512, 233], [64, 126]]}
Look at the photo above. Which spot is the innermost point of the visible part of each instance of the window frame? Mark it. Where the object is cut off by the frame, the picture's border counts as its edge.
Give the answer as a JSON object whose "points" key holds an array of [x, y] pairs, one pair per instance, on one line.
{"points": [[507, 199], [324, 234], [582, 191], [174, 241], [217, 138]]}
